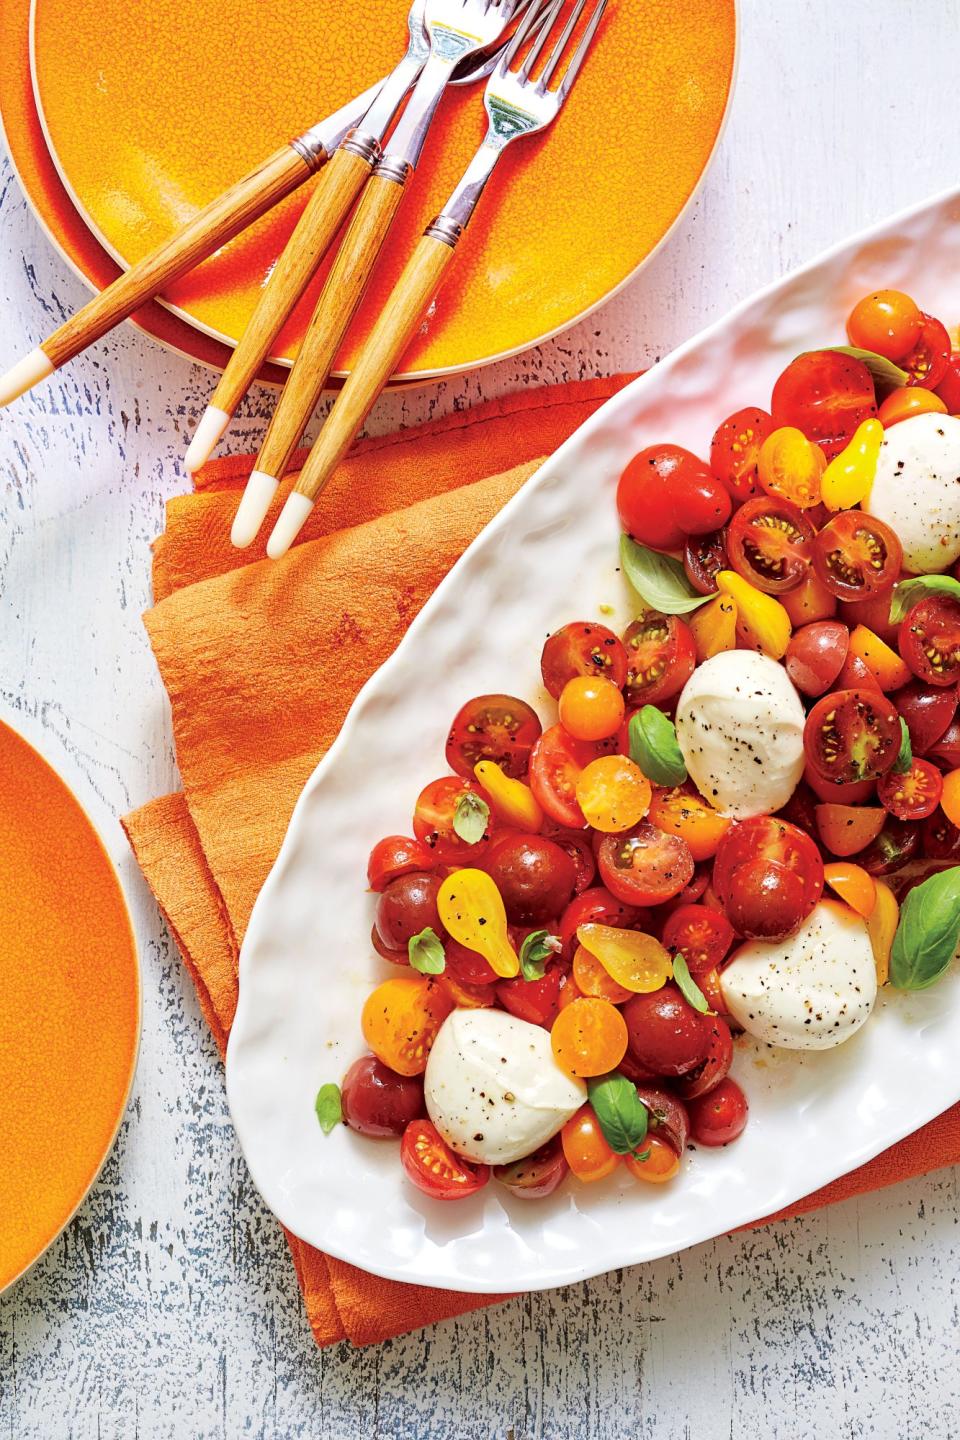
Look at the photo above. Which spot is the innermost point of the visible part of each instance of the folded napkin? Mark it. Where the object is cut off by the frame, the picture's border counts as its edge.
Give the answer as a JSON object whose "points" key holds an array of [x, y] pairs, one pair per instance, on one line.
{"points": [[261, 661]]}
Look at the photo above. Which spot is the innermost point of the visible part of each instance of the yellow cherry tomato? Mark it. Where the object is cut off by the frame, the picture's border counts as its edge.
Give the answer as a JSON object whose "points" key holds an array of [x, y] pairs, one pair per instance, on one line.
{"points": [[591, 707], [849, 477], [808, 601], [591, 978], [585, 1148], [907, 401], [400, 1020], [471, 910], [512, 800], [881, 927], [662, 1162], [790, 467], [613, 793], [714, 627], [881, 660], [589, 1037], [762, 622], [636, 961], [853, 884], [950, 799], [684, 813]]}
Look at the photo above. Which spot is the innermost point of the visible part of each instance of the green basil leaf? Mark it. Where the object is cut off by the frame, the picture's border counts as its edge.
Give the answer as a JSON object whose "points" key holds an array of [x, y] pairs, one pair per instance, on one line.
{"points": [[426, 952], [882, 370], [653, 746], [908, 592], [687, 986], [904, 760], [621, 1114], [537, 948], [471, 817], [328, 1107], [659, 579], [929, 929]]}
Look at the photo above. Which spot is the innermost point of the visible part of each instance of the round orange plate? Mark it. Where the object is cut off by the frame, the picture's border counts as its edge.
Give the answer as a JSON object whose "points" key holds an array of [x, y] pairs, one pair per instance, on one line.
{"points": [[151, 111], [69, 1005]]}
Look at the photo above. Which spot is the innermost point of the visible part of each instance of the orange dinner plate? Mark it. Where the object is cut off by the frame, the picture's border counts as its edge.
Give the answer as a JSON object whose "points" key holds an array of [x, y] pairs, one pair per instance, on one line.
{"points": [[69, 1004], [150, 111]]}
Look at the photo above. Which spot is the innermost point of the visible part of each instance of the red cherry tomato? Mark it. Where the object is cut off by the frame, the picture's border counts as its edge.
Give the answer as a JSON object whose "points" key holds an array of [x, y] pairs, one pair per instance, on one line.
{"points": [[578, 847], [582, 648], [493, 727], [928, 711], [534, 875], [720, 1116], [644, 866], [768, 875], [661, 657], [407, 906], [770, 542], [946, 751], [930, 640], [874, 612], [913, 795], [949, 387], [667, 493], [852, 735], [856, 556], [701, 936], [555, 767], [895, 846], [597, 907], [735, 451], [666, 1035], [378, 1101], [833, 793], [854, 675], [801, 809], [704, 556], [826, 395], [667, 1116], [537, 1175], [434, 1168], [536, 1001], [927, 362], [707, 1076], [940, 838], [468, 967], [816, 654], [434, 816], [394, 856]]}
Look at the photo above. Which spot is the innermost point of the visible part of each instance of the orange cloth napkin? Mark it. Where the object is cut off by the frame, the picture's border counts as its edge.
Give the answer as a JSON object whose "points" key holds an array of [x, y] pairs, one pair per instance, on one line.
{"points": [[261, 662]]}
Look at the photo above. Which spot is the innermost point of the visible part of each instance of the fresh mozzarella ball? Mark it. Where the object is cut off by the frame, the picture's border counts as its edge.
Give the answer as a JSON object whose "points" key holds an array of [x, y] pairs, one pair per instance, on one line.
{"points": [[810, 992], [740, 729], [916, 490], [493, 1088]]}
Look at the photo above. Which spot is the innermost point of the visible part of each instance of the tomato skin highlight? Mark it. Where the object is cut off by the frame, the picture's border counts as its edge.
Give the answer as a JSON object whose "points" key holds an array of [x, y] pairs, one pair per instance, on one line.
{"points": [[887, 322], [645, 866], [582, 648], [396, 855], [434, 1168], [493, 727], [826, 395], [666, 1035], [667, 493], [735, 451], [661, 657], [585, 1148], [816, 654], [720, 1116], [534, 875]]}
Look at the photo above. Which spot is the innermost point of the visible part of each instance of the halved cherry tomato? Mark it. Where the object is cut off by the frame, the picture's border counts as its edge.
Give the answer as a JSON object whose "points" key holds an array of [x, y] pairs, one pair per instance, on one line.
{"points": [[596, 906], [927, 362], [556, 764], [701, 936], [645, 866], [762, 622], [930, 639], [856, 556], [592, 978], [791, 467], [913, 795], [685, 813], [881, 660], [735, 451], [852, 735], [434, 816], [394, 856], [887, 322], [941, 838], [894, 847], [768, 875], [656, 1163], [853, 884], [582, 648], [714, 627], [589, 1037], [816, 654], [832, 793], [927, 711], [946, 751], [407, 906], [400, 1020], [950, 798], [591, 707], [948, 389], [464, 996], [434, 1168], [713, 1069], [810, 601], [537, 1175], [585, 1148], [907, 401], [636, 961], [854, 675], [848, 829], [535, 876], [826, 395], [882, 927], [667, 1117], [667, 1036], [720, 1116], [613, 793], [661, 657], [770, 542], [536, 1001], [493, 727], [667, 493], [704, 556]]}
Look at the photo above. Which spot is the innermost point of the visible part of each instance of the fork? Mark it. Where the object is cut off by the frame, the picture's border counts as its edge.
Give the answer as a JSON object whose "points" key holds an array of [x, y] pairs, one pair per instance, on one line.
{"points": [[517, 105]]}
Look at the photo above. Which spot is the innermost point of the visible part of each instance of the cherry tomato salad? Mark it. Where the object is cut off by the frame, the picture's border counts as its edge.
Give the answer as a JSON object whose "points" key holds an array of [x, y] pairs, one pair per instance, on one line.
{"points": [[743, 814]]}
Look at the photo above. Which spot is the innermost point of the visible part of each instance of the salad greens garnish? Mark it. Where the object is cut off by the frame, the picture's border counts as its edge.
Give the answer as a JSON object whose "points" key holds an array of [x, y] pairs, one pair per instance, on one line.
{"points": [[328, 1107], [426, 952], [621, 1114], [471, 817], [687, 986], [882, 370], [659, 579], [538, 947], [653, 746], [908, 592], [928, 932], [904, 760]]}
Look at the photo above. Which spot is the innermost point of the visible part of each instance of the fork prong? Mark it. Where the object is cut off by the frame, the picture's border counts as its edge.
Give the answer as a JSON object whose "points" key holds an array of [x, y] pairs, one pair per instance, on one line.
{"points": [[561, 45], [521, 33], [538, 44], [580, 54]]}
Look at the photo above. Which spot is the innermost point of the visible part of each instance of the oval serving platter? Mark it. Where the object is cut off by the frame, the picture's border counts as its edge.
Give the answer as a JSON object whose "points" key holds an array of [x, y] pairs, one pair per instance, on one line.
{"points": [[306, 965]]}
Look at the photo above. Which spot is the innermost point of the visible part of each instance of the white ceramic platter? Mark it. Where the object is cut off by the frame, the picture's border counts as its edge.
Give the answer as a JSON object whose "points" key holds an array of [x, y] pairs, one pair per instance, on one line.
{"points": [[307, 965]]}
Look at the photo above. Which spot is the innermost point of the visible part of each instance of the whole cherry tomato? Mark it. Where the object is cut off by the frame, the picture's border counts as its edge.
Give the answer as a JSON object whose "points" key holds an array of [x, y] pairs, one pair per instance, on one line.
{"points": [[735, 451], [816, 654], [856, 556], [666, 1115], [578, 847], [768, 875], [928, 710], [394, 856], [927, 362], [907, 401], [848, 829], [556, 765], [591, 707], [661, 657], [493, 727], [582, 648], [895, 846], [887, 322], [667, 493], [666, 1035], [770, 542], [536, 1001], [826, 395], [700, 935], [852, 735], [930, 640], [537, 1175], [434, 1168], [378, 1101], [946, 751], [407, 906], [714, 1068], [433, 820], [719, 1116], [467, 967], [597, 907], [656, 1163], [585, 1149], [940, 838], [645, 866], [948, 388], [704, 556], [534, 875], [913, 795]]}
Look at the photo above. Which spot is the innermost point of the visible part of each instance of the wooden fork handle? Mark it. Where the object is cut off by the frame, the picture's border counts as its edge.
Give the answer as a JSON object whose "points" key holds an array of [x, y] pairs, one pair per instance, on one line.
{"points": [[377, 361], [331, 319], [328, 207], [217, 223]]}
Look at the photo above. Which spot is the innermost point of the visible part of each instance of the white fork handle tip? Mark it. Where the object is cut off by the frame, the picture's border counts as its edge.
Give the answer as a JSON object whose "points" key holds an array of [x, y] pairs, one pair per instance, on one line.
{"points": [[24, 375], [290, 522], [253, 507], [206, 437]]}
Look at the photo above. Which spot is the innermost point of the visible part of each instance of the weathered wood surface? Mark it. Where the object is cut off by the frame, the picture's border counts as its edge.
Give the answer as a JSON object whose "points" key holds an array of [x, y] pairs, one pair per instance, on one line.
{"points": [[169, 1309]]}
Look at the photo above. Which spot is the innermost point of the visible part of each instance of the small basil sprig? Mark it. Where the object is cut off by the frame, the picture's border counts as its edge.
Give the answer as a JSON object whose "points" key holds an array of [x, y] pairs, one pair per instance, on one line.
{"points": [[653, 746], [687, 986], [659, 579], [928, 932], [904, 760], [908, 592], [882, 370], [329, 1107], [471, 817], [426, 952], [621, 1114], [537, 948]]}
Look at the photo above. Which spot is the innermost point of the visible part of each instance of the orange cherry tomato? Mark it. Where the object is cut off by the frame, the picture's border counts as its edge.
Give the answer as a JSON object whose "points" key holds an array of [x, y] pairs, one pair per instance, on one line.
{"points": [[882, 927], [591, 707], [887, 322], [662, 1162], [585, 1149], [400, 1020], [950, 799], [463, 995], [569, 991], [881, 659], [907, 401], [589, 1037], [714, 627], [847, 829], [592, 978], [684, 813], [613, 793], [791, 467], [810, 601], [853, 884]]}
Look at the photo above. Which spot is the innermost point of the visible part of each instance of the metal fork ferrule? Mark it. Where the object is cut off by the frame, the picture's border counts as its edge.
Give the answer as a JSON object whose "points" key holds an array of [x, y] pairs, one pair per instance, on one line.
{"points": [[395, 168], [445, 228], [311, 149], [358, 142]]}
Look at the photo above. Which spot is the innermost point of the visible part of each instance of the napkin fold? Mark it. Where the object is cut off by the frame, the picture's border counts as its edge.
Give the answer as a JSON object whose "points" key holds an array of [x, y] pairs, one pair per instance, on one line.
{"points": [[261, 662]]}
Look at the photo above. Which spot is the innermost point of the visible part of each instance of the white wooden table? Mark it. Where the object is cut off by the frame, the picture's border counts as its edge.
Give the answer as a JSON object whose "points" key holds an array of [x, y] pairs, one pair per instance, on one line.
{"points": [[169, 1308]]}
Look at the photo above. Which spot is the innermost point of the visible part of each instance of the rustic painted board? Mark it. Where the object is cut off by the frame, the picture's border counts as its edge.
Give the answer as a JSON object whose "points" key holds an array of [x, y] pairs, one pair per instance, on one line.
{"points": [[168, 1309]]}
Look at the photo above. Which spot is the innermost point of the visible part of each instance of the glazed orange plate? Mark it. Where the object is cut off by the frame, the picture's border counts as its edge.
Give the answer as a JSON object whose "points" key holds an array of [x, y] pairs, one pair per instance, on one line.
{"points": [[69, 1005], [574, 216]]}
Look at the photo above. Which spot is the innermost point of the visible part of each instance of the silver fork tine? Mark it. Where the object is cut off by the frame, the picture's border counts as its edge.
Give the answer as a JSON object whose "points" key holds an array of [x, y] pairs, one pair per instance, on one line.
{"points": [[540, 41], [522, 31], [561, 45], [581, 51]]}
